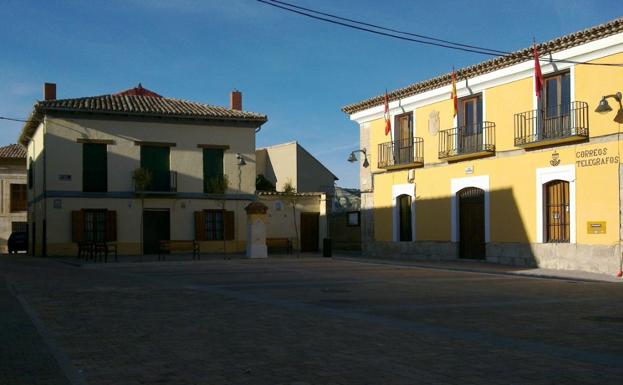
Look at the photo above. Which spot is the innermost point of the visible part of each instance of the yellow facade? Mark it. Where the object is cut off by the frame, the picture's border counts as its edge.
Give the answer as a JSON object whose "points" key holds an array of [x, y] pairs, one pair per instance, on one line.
{"points": [[515, 176]]}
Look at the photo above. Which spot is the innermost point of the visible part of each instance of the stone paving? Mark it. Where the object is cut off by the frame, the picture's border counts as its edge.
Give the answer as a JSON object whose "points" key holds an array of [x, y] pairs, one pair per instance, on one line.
{"points": [[24, 356], [321, 321]]}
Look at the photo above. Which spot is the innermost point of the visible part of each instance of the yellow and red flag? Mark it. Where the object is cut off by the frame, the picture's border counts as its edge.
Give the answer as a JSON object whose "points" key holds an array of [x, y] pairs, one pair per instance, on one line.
{"points": [[538, 76], [388, 125], [453, 96]]}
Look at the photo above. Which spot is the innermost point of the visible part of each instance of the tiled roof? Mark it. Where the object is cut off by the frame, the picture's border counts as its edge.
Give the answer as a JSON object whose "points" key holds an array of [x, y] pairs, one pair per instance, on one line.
{"points": [[555, 45], [146, 106], [13, 151], [140, 104], [284, 194]]}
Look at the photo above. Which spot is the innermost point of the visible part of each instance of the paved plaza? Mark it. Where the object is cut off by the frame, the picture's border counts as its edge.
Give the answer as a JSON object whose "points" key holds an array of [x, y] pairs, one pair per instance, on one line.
{"points": [[302, 321]]}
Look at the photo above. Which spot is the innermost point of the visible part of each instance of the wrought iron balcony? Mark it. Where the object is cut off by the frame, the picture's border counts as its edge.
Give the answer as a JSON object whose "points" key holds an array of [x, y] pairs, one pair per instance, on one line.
{"points": [[161, 182], [558, 124], [402, 153], [470, 141]]}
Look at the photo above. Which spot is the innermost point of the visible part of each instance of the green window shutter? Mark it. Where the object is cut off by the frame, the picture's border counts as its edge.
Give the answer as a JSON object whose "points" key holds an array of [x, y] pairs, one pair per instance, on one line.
{"points": [[212, 166], [94, 167], [156, 161]]}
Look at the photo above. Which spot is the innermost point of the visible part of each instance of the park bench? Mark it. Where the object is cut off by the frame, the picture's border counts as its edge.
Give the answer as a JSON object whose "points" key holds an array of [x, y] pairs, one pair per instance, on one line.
{"points": [[168, 246], [273, 244]]}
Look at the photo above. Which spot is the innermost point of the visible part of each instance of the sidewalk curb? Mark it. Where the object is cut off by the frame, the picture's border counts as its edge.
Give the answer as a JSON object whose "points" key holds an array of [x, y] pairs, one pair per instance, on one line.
{"points": [[419, 265]]}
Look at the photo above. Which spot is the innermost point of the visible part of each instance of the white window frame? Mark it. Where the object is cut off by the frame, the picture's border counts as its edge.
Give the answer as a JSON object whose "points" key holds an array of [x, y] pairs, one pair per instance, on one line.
{"points": [[458, 184], [548, 174], [398, 190]]}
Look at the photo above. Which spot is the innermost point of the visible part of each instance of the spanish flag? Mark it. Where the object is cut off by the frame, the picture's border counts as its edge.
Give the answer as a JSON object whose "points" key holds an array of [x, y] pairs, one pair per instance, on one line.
{"points": [[453, 93], [538, 76]]}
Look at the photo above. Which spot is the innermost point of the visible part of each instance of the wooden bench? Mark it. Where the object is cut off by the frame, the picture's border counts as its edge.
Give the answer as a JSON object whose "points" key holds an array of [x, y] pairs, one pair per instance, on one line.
{"points": [[167, 246], [279, 243]]}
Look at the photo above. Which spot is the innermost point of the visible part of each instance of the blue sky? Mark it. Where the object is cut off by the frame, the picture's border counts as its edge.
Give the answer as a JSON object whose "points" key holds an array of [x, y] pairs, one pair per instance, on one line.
{"points": [[298, 71]]}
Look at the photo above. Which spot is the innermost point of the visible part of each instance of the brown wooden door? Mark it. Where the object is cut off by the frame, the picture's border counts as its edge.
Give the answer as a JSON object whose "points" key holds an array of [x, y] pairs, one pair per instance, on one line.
{"points": [[556, 104], [404, 218], [309, 231], [156, 228], [470, 125], [403, 139], [557, 211], [471, 223]]}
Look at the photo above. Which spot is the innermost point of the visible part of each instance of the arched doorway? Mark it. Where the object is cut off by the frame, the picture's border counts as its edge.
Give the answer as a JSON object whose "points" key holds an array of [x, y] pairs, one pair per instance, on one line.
{"points": [[405, 231], [471, 223], [557, 224]]}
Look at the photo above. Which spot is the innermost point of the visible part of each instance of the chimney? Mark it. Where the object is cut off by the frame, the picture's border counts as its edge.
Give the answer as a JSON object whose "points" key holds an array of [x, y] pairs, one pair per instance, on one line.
{"points": [[49, 91], [235, 102]]}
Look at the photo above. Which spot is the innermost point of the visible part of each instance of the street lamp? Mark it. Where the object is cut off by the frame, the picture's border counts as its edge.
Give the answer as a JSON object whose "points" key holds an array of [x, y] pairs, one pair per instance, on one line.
{"points": [[353, 158], [241, 161], [604, 107]]}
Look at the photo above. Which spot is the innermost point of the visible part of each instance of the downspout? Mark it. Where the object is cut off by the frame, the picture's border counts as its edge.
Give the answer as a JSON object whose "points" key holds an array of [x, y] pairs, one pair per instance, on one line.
{"points": [[44, 251], [620, 272]]}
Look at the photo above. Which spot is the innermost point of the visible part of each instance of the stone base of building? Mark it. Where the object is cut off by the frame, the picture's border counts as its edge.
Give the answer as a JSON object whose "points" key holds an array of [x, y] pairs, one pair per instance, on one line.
{"points": [[559, 256], [421, 250]]}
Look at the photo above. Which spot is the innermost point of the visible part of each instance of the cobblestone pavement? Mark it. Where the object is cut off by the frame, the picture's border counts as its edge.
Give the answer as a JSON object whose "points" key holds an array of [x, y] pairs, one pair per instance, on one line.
{"points": [[322, 321], [24, 356]]}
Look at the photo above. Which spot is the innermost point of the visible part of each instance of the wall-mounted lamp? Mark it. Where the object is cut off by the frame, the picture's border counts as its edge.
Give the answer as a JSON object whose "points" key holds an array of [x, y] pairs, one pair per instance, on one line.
{"points": [[604, 107], [353, 158], [241, 161]]}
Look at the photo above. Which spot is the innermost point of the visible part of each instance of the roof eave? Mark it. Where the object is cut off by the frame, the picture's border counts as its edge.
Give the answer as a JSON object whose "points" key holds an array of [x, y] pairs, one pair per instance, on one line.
{"points": [[552, 46]]}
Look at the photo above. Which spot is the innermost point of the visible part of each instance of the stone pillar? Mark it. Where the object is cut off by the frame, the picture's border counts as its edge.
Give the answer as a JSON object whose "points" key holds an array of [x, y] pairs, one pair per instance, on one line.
{"points": [[256, 230]]}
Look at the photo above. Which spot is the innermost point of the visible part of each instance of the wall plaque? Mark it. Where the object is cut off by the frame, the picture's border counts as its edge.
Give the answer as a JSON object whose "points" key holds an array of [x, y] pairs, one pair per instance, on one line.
{"points": [[596, 227]]}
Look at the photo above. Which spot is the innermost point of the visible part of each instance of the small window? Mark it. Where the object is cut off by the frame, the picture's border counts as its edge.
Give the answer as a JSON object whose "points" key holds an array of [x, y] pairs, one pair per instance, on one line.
{"points": [[94, 167], [19, 201], [353, 218], [214, 225]]}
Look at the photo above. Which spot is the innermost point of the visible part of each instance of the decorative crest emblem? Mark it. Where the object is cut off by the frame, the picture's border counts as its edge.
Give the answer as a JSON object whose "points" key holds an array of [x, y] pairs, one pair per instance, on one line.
{"points": [[555, 159], [433, 123]]}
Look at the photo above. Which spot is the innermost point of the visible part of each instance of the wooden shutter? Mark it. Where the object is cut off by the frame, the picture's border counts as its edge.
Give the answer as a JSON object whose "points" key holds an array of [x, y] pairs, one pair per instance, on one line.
{"points": [[212, 165], [229, 225], [200, 226], [94, 167], [18, 198], [77, 226], [156, 160], [111, 226]]}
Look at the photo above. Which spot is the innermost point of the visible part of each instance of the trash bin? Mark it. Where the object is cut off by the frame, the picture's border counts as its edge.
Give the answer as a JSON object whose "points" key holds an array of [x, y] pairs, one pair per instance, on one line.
{"points": [[326, 248]]}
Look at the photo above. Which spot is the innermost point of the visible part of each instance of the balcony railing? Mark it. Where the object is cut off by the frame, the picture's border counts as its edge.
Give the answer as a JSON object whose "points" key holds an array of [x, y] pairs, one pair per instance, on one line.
{"points": [[562, 123], [401, 153], [467, 141], [161, 182]]}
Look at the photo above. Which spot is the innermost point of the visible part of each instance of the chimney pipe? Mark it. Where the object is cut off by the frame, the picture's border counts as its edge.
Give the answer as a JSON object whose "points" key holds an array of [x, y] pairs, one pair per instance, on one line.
{"points": [[235, 101], [49, 91]]}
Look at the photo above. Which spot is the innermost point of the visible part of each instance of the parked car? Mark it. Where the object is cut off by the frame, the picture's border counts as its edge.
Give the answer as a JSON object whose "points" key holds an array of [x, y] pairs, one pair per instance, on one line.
{"points": [[18, 241]]}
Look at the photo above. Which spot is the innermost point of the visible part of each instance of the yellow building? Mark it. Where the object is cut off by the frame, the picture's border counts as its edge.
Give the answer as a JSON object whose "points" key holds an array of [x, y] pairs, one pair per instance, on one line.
{"points": [[511, 178], [82, 155]]}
